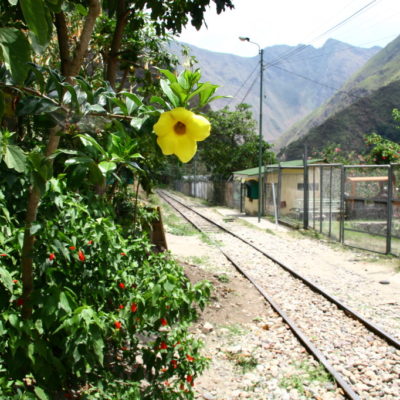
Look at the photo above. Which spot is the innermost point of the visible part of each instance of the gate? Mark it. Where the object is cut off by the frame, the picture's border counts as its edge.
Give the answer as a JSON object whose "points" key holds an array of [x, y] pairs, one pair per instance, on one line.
{"points": [[366, 207]]}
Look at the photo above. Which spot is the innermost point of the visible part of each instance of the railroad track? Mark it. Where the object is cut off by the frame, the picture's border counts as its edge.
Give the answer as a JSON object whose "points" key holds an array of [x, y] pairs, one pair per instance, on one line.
{"points": [[362, 358]]}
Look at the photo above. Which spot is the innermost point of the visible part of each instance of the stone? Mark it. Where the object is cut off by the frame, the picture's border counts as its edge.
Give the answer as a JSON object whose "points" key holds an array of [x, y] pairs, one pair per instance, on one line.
{"points": [[207, 328]]}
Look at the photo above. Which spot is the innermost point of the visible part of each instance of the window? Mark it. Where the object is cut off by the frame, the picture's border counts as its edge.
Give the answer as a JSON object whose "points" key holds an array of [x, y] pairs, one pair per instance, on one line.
{"points": [[311, 186]]}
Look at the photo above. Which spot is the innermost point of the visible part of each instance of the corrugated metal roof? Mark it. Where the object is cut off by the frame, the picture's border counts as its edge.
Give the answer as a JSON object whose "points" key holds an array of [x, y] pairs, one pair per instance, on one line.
{"points": [[285, 164]]}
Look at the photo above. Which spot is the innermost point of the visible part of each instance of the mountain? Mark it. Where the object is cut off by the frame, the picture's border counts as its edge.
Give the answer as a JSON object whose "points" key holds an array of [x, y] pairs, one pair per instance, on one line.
{"points": [[380, 75], [290, 76], [347, 128]]}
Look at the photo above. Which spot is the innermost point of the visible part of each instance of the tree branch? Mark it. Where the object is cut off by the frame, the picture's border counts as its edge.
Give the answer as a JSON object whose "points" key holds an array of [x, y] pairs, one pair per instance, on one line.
{"points": [[112, 62], [63, 42], [84, 39]]}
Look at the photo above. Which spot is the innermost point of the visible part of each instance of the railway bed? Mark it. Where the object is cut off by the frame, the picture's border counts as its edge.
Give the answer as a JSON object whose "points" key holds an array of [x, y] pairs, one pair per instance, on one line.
{"points": [[364, 360]]}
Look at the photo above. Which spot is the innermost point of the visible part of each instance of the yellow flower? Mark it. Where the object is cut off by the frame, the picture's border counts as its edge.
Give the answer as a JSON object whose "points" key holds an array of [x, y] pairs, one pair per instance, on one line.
{"points": [[178, 132]]}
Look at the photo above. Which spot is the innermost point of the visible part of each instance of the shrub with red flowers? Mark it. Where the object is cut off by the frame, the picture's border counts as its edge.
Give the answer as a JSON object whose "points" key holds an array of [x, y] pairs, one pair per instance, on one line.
{"points": [[101, 324], [383, 151]]}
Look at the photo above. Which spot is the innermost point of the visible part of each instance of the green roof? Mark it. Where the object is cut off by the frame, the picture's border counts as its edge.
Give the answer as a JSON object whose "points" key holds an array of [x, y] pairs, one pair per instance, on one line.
{"points": [[284, 164]]}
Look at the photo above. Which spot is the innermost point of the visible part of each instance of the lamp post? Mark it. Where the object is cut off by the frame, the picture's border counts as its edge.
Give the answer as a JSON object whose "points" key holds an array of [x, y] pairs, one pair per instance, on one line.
{"points": [[260, 192]]}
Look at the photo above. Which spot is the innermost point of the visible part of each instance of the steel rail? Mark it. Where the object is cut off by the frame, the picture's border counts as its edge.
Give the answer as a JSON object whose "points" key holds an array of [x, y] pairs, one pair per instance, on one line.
{"points": [[349, 392], [370, 325]]}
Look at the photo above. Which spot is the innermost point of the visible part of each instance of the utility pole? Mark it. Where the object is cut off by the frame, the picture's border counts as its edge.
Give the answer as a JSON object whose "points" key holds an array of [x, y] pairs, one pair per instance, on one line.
{"points": [[260, 138]]}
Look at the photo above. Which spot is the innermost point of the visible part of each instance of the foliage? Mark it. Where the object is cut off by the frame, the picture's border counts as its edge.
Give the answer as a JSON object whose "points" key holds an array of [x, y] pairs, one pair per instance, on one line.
{"points": [[233, 144], [334, 154], [348, 127], [87, 309], [100, 300], [384, 151]]}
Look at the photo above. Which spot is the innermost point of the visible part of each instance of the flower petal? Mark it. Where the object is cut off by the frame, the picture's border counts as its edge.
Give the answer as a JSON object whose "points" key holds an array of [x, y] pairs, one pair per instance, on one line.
{"points": [[167, 144], [185, 148], [165, 124], [198, 128]]}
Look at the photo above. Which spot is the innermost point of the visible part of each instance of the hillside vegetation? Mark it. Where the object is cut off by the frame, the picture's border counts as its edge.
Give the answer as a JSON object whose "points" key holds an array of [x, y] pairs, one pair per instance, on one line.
{"points": [[347, 128], [380, 71]]}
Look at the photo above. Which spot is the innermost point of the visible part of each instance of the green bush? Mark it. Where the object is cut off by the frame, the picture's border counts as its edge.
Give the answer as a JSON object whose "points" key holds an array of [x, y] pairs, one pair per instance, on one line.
{"points": [[110, 317]]}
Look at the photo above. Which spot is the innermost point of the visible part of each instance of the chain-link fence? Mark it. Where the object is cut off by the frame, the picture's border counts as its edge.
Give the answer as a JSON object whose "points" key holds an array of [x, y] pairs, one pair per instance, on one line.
{"points": [[358, 205]]}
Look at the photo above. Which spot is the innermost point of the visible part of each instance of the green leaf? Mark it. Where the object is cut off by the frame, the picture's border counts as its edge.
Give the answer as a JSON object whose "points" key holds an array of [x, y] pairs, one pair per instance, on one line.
{"points": [[169, 75], [81, 9], [96, 108], [169, 93], [98, 346], [40, 393], [1, 104], [64, 303], [54, 5], [15, 158], [13, 2], [137, 123], [35, 228], [16, 53], [6, 279], [180, 92], [107, 166], [95, 174], [89, 141], [161, 101], [38, 19]]}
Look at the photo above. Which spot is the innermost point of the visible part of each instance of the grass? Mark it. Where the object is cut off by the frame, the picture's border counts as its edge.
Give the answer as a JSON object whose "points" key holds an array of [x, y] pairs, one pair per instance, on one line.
{"points": [[195, 260], [307, 373], [245, 362], [223, 278], [235, 330]]}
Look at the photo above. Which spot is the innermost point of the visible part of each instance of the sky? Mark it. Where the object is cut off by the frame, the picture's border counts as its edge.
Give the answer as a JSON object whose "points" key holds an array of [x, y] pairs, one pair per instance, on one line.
{"points": [[292, 22]]}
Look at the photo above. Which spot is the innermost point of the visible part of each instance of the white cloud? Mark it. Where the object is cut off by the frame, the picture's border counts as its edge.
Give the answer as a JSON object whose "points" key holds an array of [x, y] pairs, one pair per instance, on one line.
{"points": [[293, 22]]}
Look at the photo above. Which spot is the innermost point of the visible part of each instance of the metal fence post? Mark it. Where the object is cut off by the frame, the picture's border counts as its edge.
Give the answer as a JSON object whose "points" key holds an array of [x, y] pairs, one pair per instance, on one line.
{"points": [[321, 196], [389, 210], [305, 186], [342, 205]]}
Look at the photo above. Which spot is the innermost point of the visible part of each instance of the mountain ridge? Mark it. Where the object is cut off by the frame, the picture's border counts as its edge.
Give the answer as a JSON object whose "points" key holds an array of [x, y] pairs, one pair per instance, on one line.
{"points": [[379, 71], [289, 79]]}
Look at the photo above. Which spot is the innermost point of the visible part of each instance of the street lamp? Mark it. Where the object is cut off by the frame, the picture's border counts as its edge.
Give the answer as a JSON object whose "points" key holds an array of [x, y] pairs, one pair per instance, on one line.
{"points": [[260, 193]]}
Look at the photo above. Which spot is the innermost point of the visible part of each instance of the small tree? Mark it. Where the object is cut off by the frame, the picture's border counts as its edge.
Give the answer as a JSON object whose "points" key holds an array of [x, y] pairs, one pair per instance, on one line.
{"points": [[384, 151], [233, 144]]}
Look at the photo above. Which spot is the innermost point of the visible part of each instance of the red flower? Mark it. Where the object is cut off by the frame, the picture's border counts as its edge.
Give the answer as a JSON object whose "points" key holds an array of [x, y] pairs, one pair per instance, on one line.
{"points": [[166, 383], [3, 255], [15, 281], [52, 256], [121, 285], [81, 255], [182, 386], [164, 322], [133, 307], [124, 348], [19, 301], [117, 325], [121, 307], [164, 369], [174, 363], [123, 254], [90, 242], [189, 358], [163, 346], [189, 379], [72, 247]]}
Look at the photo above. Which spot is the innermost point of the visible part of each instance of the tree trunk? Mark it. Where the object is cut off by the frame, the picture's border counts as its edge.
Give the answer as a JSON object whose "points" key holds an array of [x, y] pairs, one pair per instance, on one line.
{"points": [[112, 62], [70, 67]]}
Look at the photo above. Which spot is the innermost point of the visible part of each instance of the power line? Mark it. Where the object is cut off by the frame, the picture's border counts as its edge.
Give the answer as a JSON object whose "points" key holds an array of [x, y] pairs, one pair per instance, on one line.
{"points": [[243, 84], [299, 49], [337, 90]]}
